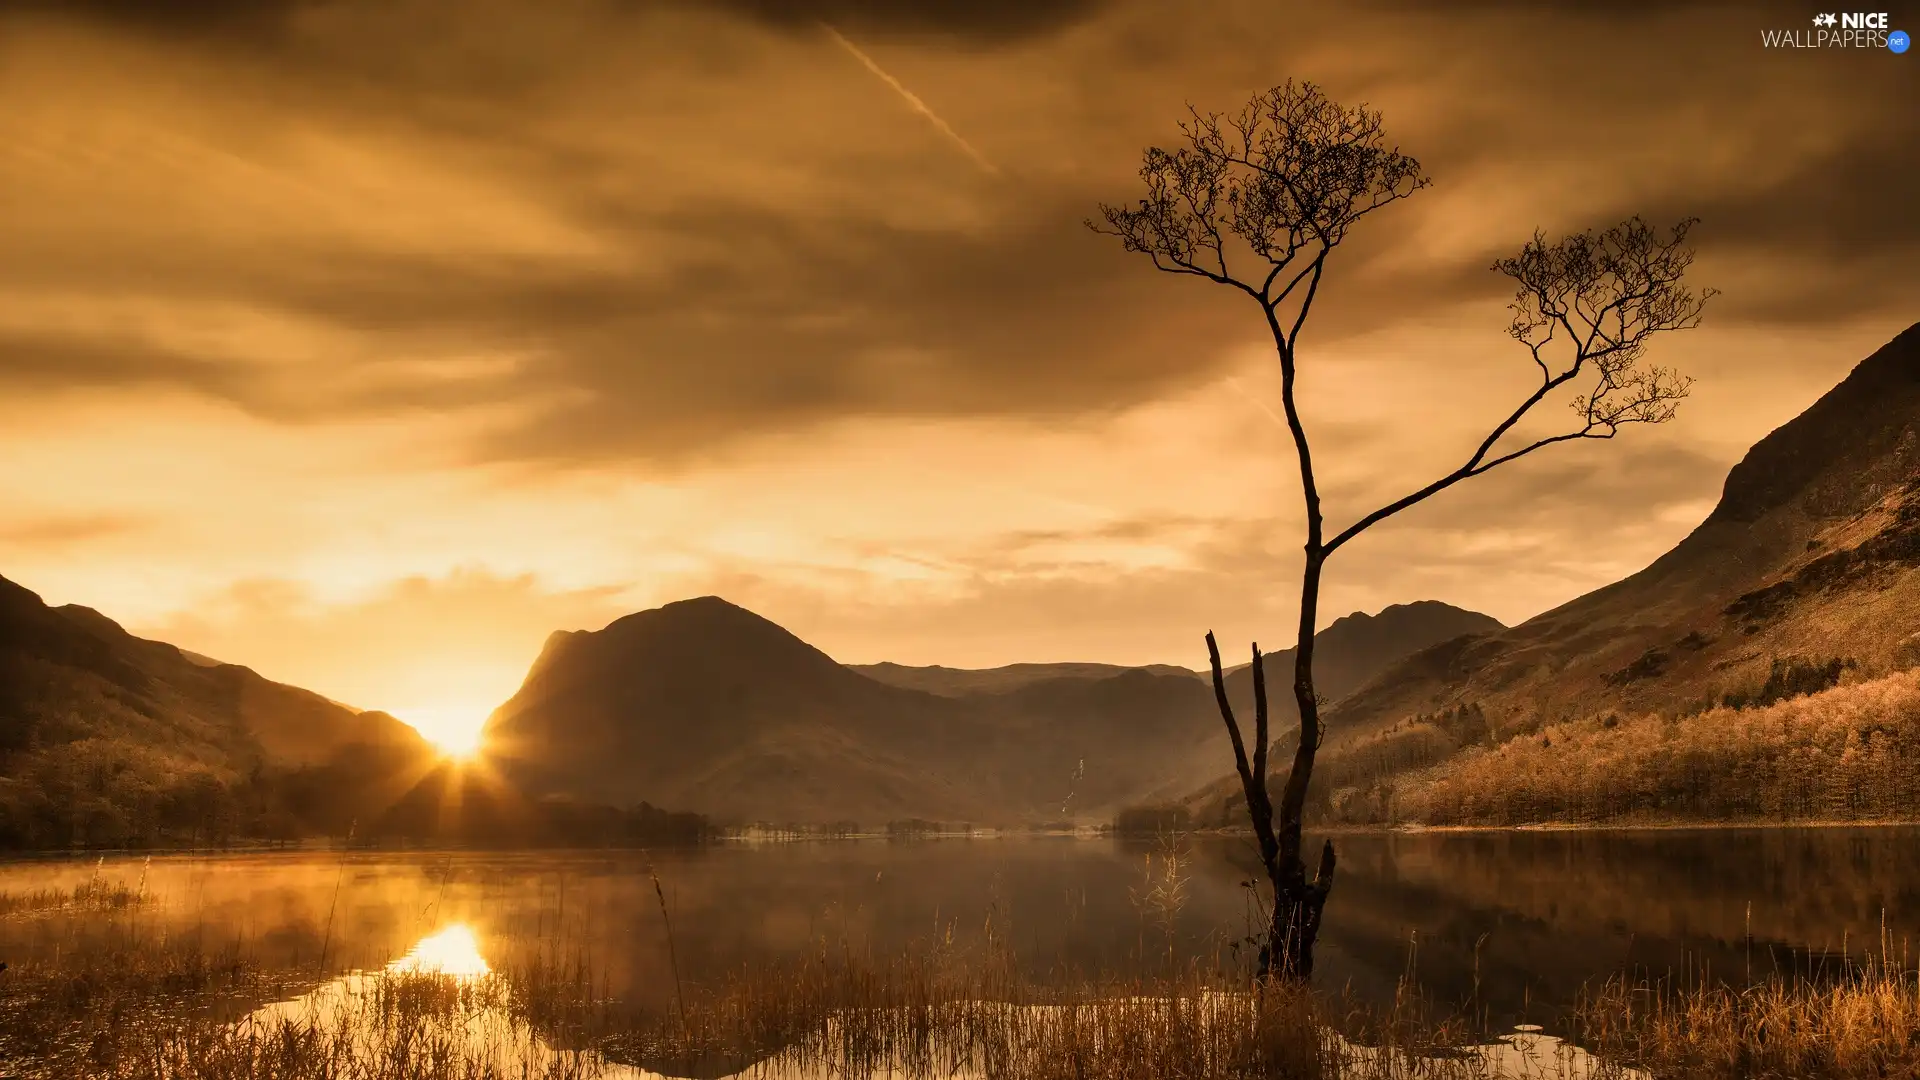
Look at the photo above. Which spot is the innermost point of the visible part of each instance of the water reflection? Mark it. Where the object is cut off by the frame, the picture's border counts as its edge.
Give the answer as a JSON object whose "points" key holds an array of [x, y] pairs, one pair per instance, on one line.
{"points": [[441, 1002], [438, 1004], [453, 951], [1510, 924]]}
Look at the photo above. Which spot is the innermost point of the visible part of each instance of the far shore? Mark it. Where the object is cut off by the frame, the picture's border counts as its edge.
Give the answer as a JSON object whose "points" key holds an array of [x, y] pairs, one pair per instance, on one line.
{"points": [[322, 846], [1582, 826]]}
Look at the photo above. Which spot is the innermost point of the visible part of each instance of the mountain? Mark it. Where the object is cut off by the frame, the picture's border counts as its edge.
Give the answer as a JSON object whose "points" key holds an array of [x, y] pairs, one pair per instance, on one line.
{"points": [[1806, 571], [109, 738], [960, 682], [1354, 649], [705, 705]]}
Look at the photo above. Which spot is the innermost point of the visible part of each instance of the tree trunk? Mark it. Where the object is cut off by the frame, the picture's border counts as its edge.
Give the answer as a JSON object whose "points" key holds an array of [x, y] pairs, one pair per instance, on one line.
{"points": [[1295, 922], [1297, 902]]}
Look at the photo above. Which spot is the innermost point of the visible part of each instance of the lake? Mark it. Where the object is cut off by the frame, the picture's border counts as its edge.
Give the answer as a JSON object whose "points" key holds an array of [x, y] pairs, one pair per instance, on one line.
{"points": [[1513, 922]]}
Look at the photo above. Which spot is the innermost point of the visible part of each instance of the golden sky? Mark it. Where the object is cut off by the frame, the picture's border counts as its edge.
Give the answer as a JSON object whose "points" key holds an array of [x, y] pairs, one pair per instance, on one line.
{"points": [[366, 343]]}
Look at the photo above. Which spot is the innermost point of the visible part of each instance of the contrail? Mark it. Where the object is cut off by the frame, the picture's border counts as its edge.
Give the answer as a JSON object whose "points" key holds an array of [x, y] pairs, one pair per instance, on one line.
{"points": [[913, 100], [1256, 402]]}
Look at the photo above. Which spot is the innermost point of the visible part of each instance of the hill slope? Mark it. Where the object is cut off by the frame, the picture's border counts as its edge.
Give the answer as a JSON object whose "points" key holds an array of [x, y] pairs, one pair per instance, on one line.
{"points": [[1810, 557], [110, 738]]}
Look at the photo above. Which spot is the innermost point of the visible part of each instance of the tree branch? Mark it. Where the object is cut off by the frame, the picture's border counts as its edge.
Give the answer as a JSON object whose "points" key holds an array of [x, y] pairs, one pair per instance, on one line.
{"points": [[1627, 275], [1259, 807]]}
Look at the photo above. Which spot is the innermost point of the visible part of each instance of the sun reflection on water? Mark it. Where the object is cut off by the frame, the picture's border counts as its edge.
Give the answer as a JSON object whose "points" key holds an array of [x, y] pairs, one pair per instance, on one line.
{"points": [[450, 951]]}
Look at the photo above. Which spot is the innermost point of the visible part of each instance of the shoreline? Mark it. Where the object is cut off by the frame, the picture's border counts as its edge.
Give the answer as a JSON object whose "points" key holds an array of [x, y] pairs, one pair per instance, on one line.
{"points": [[1582, 826], [988, 836]]}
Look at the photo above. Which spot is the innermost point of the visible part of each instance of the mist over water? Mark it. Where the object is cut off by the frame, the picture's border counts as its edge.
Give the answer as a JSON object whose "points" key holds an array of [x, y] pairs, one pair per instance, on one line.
{"points": [[1512, 924]]}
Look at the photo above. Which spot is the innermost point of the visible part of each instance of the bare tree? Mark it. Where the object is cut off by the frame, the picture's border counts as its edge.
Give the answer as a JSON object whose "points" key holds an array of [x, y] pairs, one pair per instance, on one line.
{"points": [[1258, 201]]}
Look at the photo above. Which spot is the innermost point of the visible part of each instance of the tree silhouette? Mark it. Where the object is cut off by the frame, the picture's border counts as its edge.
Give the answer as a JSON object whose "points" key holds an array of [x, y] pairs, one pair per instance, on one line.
{"points": [[1258, 201]]}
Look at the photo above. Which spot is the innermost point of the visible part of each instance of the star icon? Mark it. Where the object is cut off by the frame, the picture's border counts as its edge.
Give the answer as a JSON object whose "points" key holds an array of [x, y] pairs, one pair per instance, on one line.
{"points": [[1824, 20]]}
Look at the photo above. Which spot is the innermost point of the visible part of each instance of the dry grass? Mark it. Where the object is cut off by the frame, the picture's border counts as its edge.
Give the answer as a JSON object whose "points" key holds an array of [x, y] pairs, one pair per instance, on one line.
{"points": [[78, 1011], [1865, 1024], [96, 894], [396, 1026], [949, 1013]]}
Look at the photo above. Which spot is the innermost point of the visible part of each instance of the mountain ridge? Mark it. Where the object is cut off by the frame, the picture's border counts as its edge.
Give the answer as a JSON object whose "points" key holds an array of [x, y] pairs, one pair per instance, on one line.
{"points": [[704, 704], [149, 742]]}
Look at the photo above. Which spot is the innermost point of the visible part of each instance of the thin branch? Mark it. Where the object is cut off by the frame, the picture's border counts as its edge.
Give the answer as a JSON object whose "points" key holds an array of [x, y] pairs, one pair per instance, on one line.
{"points": [[1571, 291]]}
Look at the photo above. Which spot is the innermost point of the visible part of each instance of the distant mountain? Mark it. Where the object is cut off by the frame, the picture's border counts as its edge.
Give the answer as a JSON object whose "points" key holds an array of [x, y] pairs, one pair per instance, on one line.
{"points": [[961, 682], [1354, 649], [705, 705], [110, 738], [1812, 555]]}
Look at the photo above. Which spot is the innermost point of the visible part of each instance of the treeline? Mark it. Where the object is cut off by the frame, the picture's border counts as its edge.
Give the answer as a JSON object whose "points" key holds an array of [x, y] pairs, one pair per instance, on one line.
{"points": [[108, 793], [1847, 753], [1356, 784], [473, 808], [1152, 820], [903, 828]]}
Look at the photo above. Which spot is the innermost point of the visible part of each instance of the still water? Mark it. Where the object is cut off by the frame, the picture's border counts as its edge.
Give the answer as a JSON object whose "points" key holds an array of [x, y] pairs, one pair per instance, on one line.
{"points": [[1512, 923]]}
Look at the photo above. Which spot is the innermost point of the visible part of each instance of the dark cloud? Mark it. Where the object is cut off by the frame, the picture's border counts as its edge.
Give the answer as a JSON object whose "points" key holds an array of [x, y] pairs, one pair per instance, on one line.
{"points": [[1038, 317], [774, 313], [1612, 10], [182, 18], [980, 21]]}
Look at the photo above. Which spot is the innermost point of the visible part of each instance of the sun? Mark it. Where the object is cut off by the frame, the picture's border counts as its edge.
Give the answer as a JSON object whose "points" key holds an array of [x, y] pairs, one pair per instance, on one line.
{"points": [[455, 731]]}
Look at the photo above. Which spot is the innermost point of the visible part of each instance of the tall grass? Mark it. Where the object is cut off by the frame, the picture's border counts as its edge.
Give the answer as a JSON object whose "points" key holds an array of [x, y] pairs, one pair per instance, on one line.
{"points": [[96, 894], [1865, 1024], [946, 1013]]}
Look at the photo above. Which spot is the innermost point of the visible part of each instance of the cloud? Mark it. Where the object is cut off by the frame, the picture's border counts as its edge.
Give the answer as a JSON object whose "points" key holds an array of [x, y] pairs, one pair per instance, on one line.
{"points": [[329, 294], [635, 302], [66, 529], [986, 22], [1144, 588], [463, 639]]}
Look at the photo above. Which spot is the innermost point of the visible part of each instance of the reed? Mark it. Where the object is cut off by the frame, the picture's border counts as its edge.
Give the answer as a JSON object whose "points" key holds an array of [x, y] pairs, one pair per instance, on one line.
{"points": [[1862, 1023], [96, 894]]}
